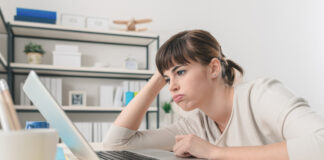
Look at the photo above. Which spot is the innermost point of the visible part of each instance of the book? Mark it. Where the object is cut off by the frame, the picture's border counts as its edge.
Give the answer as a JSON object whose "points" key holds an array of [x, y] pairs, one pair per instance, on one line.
{"points": [[86, 129], [106, 96], [35, 19], [53, 87], [22, 94], [118, 102], [36, 13], [59, 90]]}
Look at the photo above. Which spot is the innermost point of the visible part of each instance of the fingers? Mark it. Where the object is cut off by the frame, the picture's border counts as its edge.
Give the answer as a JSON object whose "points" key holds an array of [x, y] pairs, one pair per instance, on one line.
{"points": [[179, 137], [181, 148]]}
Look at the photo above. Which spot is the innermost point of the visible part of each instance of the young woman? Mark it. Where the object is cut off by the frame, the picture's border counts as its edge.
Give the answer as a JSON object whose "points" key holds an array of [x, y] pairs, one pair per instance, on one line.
{"points": [[260, 119]]}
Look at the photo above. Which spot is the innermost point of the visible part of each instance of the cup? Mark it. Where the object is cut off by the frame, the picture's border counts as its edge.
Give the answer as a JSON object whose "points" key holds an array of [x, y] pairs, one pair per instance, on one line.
{"points": [[36, 124], [35, 144]]}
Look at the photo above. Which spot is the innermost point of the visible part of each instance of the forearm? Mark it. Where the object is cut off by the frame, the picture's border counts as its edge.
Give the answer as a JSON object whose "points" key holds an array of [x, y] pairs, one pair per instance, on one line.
{"points": [[277, 151], [132, 115]]}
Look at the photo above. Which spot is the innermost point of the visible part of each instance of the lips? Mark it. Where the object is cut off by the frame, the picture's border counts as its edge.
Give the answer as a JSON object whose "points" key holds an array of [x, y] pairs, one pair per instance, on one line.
{"points": [[177, 98]]}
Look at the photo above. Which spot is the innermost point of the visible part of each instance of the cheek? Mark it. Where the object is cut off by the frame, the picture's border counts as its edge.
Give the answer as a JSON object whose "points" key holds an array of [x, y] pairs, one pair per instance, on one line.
{"points": [[196, 90], [199, 85]]}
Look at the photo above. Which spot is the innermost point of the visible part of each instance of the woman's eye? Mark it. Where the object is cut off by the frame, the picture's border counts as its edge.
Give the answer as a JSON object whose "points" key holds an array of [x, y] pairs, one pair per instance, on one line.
{"points": [[180, 72], [167, 80]]}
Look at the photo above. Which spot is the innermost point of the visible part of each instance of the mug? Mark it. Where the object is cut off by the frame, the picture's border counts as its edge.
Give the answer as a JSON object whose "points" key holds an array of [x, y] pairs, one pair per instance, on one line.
{"points": [[34, 144]]}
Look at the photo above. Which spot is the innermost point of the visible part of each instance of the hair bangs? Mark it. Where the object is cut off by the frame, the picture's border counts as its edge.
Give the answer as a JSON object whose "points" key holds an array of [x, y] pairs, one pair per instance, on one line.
{"points": [[172, 53]]}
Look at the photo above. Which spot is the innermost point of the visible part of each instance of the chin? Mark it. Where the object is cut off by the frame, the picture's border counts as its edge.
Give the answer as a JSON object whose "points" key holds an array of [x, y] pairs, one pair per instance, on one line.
{"points": [[187, 107]]}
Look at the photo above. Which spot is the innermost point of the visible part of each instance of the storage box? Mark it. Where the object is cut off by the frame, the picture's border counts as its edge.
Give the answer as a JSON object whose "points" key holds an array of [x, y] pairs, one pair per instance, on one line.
{"points": [[67, 59], [73, 20], [97, 23]]}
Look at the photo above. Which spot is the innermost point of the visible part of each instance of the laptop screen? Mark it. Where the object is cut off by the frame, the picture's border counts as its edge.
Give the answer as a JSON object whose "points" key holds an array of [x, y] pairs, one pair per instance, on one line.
{"points": [[57, 118]]}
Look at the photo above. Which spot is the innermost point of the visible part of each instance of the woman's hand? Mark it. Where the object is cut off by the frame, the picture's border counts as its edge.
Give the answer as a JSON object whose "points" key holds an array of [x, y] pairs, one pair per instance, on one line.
{"points": [[191, 145]]}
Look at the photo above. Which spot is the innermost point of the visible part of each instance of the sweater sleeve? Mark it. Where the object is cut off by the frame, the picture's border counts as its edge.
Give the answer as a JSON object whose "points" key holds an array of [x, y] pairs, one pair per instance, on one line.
{"points": [[120, 138], [289, 118]]}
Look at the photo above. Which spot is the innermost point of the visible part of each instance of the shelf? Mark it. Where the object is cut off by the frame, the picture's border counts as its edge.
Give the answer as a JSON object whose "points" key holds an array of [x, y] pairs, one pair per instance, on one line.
{"points": [[3, 28], [81, 71], [59, 32], [20, 108]]}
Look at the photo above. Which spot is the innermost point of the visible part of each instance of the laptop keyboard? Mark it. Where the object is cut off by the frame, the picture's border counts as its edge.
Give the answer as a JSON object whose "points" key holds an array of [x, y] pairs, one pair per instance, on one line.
{"points": [[121, 155]]}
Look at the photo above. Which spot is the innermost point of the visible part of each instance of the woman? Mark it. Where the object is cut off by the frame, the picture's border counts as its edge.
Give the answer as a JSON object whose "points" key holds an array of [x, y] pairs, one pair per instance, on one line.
{"points": [[260, 119]]}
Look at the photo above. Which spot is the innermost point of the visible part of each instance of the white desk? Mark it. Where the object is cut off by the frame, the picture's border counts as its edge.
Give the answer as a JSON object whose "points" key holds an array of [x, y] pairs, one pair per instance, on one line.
{"points": [[69, 154]]}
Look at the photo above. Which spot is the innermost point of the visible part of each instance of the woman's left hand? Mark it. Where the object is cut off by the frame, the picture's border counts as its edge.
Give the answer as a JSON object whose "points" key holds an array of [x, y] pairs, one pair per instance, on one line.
{"points": [[191, 145]]}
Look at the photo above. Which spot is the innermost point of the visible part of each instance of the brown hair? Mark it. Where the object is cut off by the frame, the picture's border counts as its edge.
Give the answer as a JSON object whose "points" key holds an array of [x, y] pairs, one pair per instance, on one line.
{"points": [[196, 45]]}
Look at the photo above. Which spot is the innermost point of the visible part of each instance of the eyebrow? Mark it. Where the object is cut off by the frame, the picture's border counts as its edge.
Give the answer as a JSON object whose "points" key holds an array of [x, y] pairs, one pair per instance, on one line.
{"points": [[173, 69]]}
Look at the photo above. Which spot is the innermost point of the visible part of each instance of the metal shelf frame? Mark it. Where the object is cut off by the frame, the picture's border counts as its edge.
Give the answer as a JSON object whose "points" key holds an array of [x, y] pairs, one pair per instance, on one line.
{"points": [[61, 33], [3, 30]]}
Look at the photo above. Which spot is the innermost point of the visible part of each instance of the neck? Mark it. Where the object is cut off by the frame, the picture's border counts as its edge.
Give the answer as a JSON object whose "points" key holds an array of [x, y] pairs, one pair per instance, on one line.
{"points": [[219, 108]]}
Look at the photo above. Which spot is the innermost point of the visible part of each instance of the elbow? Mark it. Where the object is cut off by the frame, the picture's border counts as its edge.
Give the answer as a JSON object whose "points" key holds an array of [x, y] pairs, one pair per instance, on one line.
{"points": [[118, 138], [110, 144], [307, 147]]}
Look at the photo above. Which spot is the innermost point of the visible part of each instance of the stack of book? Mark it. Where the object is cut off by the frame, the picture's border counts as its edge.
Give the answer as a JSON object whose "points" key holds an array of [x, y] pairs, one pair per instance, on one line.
{"points": [[54, 85], [93, 132], [33, 15]]}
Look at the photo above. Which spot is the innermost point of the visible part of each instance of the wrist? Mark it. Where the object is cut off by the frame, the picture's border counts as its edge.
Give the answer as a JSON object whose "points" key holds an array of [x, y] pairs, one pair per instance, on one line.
{"points": [[158, 79], [214, 153]]}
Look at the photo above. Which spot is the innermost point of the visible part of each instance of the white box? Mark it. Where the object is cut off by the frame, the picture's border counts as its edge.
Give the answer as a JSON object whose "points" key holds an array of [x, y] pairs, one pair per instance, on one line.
{"points": [[66, 48], [97, 23], [73, 20], [67, 59]]}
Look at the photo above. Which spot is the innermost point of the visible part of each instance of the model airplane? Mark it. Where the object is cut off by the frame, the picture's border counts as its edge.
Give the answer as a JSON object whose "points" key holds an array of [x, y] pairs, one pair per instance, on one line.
{"points": [[131, 24]]}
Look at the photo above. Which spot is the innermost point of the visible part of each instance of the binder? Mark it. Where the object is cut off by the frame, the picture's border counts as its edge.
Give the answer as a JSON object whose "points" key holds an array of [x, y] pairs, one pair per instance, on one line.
{"points": [[36, 13], [35, 19]]}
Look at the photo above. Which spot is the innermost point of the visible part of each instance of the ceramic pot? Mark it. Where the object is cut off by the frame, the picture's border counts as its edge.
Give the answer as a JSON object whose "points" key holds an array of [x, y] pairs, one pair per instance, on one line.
{"points": [[34, 58]]}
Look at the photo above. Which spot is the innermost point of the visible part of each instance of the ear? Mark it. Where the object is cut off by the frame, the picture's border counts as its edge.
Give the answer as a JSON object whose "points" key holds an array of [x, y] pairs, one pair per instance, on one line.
{"points": [[215, 68]]}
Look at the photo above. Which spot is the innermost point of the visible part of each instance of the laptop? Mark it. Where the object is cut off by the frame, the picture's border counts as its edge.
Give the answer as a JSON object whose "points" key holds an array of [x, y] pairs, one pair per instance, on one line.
{"points": [[70, 135]]}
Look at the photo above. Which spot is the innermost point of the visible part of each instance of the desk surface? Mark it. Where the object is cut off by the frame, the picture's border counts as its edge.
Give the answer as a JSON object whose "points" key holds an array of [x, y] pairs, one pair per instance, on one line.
{"points": [[68, 153]]}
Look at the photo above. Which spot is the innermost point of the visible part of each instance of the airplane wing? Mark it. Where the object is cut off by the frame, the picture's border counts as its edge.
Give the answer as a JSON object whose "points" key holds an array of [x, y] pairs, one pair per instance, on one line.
{"points": [[120, 22], [138, 21]]}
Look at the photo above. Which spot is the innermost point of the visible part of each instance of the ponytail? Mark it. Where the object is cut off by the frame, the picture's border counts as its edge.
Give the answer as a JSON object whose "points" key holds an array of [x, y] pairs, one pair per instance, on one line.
{"points": [[228, 72]]}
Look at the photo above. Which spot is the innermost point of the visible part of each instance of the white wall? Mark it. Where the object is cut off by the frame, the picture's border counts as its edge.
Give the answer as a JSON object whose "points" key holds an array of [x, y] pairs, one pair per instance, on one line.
{"points": [[277, 38]]}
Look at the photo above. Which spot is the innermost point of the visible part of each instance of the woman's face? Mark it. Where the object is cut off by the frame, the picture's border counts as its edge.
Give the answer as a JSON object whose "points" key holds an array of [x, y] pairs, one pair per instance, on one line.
{"points": [[188, 84]]}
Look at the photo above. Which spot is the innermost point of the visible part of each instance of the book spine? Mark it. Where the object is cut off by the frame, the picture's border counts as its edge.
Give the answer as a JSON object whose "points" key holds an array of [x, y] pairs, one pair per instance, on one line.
{"points": [[35, 19], [22, 94], [36, 13], [106, 96], [59, 90]]}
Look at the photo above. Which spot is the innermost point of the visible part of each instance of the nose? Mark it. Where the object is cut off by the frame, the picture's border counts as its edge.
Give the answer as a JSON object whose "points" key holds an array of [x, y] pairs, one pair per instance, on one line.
{"points": [[174, 86]]}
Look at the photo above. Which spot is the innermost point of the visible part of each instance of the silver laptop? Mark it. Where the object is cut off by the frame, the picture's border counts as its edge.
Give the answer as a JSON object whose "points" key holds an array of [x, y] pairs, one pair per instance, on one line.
{"points": [[70, 135]]}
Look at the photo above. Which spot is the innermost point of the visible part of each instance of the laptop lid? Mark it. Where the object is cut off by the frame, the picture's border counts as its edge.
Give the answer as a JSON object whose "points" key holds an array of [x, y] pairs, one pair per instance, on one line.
{"points": [[54, 114]]}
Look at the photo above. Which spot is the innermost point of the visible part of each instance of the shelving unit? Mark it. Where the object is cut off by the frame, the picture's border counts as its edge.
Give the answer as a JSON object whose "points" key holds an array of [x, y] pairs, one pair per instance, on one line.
{"points": [[21, 68], [80, 109], [3, 30], [63, 33]]}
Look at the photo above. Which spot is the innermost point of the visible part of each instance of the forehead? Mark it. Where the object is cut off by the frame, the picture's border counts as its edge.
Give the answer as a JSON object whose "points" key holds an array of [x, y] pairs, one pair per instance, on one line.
{"points": [[175, 66]]}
